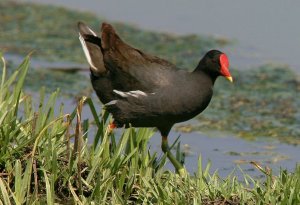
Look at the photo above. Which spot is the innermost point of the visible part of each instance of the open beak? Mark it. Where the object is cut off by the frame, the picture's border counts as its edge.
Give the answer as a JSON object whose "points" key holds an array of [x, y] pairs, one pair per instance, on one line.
{"points": [[229, 78]]}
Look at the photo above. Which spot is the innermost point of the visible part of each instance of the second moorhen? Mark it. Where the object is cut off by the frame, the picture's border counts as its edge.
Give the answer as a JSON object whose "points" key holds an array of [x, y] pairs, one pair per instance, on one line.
{"points": [[142, 90]]}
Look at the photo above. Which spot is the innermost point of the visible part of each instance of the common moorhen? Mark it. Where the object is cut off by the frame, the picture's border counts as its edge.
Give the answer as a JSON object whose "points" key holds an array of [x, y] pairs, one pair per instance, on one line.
{"points": [[142, 90]]}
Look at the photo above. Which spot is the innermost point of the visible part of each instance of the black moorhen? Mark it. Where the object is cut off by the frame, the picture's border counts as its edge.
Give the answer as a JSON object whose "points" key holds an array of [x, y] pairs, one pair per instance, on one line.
{"points": [[142, 90]]}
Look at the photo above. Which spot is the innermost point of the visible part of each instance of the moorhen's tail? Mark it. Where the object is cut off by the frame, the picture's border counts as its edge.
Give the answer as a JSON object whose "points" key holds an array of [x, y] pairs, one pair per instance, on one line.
{"points": [[91, 45], [109, 38]]}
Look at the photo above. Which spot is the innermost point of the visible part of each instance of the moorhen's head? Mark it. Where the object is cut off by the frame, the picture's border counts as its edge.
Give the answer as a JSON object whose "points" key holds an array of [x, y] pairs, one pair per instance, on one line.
{"points": [[215, 63]]}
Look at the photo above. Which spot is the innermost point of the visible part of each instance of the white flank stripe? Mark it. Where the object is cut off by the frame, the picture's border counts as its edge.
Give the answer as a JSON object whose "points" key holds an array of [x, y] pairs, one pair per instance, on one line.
{"points": [[135, 93], [138, 92], [122, 94], [111, 102]]}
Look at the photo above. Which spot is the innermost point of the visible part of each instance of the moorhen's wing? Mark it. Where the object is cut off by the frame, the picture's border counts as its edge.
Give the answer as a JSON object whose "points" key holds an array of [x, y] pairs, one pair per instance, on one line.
{"points": [[185, 98], [132, 66]]}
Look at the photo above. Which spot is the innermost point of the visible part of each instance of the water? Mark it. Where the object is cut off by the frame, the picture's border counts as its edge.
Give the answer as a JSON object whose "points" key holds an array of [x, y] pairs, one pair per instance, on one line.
{"points": [[225, 151], [265, 31]]}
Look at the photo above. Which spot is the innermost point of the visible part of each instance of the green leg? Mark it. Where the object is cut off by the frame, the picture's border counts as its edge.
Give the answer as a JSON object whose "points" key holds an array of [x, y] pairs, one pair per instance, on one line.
{"points": [[165, 148]]}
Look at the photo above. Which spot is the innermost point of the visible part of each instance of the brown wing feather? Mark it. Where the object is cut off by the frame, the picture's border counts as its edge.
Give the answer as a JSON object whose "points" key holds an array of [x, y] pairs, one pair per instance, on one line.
{"points": [[120, 57]]}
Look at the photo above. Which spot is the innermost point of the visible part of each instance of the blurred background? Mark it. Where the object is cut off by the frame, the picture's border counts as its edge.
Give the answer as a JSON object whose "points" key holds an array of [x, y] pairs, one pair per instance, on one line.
{"points": [[264, 31], [255, 119]]}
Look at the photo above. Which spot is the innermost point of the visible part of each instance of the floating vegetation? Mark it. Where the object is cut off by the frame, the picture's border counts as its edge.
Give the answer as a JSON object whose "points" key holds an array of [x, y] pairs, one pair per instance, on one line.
{"points": [[262, 101], [52, 33], [40, 165], [71, 84]]}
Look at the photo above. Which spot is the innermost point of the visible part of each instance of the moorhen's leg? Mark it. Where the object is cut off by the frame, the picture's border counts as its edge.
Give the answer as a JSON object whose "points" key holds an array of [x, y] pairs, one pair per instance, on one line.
{"points": [[111, 126], [165, 148]]}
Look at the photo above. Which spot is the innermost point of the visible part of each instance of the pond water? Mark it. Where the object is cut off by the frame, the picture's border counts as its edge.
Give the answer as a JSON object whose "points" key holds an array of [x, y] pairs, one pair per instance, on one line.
{"points": [[226, 151], [264, 32]]}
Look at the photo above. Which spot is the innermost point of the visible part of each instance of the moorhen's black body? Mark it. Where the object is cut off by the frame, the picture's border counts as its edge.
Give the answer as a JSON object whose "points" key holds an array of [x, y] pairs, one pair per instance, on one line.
{"points": [[142, 90]]}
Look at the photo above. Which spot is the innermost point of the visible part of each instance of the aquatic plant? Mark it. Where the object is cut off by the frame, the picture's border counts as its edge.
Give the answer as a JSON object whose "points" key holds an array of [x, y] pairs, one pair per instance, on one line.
{"points": [[46, 158]]}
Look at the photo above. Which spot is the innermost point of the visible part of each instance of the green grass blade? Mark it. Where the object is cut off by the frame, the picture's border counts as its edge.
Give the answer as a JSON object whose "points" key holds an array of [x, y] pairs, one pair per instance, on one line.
{"points": [[4, 193], [49, 192], [3, 77], [18, 181]]}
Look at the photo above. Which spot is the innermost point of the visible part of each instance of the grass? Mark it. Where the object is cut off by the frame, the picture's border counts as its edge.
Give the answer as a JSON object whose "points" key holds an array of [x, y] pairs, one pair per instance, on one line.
{"points": [[45, 158], [45, 155], [271, 90]]}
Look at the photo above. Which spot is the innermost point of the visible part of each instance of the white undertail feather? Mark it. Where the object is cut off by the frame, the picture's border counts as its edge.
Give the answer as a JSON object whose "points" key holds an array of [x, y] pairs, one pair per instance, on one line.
{"points": [[86, 51], [94, 34]]}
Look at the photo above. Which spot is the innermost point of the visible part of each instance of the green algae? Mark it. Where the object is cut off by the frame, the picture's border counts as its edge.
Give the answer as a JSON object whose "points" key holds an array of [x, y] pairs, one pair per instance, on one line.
{"points": [[261, 102], [47, 30], [52, 33]]}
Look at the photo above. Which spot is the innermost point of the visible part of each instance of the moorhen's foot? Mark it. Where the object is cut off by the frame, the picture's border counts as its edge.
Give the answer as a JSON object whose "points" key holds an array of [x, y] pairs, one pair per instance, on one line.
{"points": [[143, 90], [178, 166]]}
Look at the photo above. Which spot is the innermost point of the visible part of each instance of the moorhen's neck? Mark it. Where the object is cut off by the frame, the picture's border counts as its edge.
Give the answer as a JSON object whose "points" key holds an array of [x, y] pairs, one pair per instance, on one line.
{"points": [[206, 70]]}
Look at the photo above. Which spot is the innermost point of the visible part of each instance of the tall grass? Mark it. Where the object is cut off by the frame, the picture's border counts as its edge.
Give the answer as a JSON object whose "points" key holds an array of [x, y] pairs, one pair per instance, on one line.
{"points": [[45, 158]]}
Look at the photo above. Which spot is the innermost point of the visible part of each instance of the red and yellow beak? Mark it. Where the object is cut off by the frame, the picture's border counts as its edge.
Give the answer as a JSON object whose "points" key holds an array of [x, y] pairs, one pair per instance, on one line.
{"points": [[224, 67], [229, 78]]}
